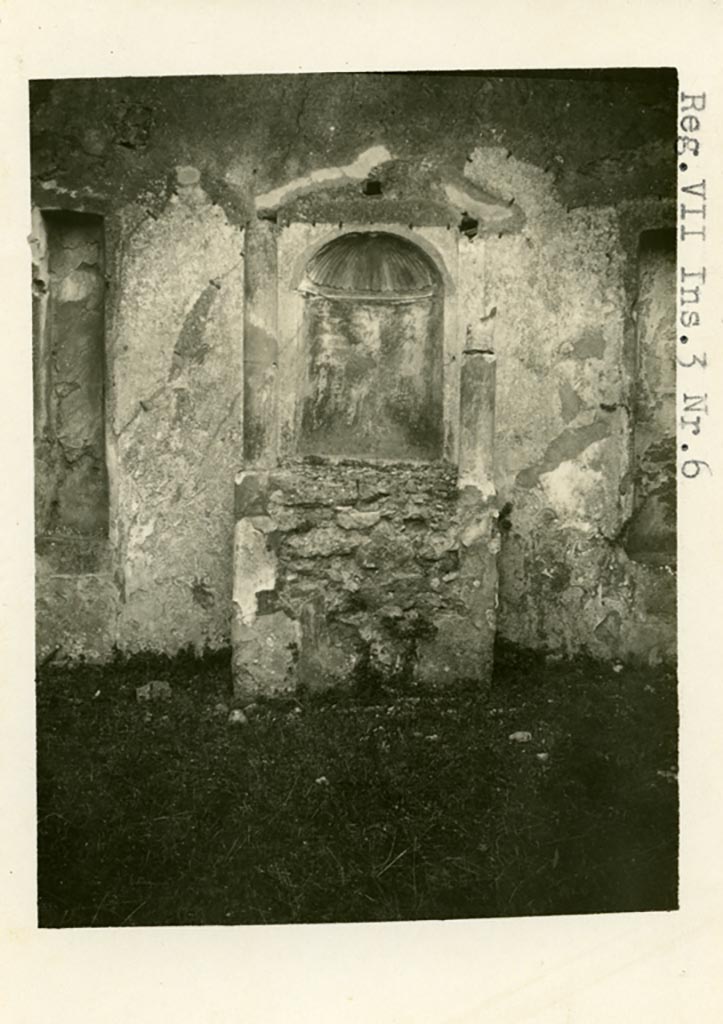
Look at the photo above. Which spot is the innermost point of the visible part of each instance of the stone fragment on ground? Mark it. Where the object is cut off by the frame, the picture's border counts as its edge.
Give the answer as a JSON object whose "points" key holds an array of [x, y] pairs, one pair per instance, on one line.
{"points": [[156, 689]]}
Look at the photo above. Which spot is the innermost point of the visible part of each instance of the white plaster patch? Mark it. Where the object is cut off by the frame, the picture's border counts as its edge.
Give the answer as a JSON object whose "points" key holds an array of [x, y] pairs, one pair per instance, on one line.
{"points": [[265, 524], [77, 286], [478, 319], [254, 569], [483, 484], [142, 531], [494, 545], [355, 171], [475, 531], [491, 215], [576, 491], [38, 239], [53, 186]]}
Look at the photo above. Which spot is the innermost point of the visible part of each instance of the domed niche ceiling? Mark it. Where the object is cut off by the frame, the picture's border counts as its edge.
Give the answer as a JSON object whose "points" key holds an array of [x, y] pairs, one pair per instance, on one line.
{"points": [[373, 337]]}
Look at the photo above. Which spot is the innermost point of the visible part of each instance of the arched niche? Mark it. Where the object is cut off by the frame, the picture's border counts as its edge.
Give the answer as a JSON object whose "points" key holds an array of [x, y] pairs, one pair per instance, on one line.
{"points": [[372, 343]]}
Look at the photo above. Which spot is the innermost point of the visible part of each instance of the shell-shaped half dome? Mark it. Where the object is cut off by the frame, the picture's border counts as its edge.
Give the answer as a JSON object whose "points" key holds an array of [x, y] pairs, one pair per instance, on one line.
{"points": [[373, 264]]}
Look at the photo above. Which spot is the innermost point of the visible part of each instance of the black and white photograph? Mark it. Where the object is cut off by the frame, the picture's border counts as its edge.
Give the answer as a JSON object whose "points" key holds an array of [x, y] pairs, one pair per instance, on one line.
{"points": [[363, 537], [355, 496]]}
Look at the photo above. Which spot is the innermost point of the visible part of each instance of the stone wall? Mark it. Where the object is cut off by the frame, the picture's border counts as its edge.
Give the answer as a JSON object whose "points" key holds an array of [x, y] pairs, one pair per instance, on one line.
{"points": [[550, 274], [362, 571]]}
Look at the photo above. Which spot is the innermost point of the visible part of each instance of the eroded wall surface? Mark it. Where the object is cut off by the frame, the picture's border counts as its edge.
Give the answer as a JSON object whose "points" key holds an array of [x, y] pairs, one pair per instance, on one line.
{"points": [[567, 301], [549, 277], [176, 423], [355, 570]]}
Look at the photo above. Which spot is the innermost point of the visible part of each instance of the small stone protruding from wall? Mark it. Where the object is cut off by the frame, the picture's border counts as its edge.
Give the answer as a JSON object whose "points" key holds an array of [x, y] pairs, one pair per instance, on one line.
{"points": [[187, 176], [187, 188]]}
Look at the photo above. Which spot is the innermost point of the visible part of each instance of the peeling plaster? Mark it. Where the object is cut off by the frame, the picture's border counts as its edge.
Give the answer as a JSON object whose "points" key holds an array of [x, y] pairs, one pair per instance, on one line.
{"points": [[562, 286], [493, 216], [569, 490], [358, 170], [566, 446], [52, 185], [255, 569]]}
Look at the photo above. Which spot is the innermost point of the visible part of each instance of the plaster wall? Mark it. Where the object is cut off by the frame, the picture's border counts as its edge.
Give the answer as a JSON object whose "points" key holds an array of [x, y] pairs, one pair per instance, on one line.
{"points": [[173, 412], [565, 425], [540, 222]]}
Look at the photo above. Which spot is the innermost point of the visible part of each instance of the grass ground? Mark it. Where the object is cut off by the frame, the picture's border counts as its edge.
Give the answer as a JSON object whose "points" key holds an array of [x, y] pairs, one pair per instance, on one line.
{"points": [[391, 807]]}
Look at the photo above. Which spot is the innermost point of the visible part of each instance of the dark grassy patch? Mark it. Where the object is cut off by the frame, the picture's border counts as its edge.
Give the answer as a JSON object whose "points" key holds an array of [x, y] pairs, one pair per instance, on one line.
{"points": [[348, 809]]}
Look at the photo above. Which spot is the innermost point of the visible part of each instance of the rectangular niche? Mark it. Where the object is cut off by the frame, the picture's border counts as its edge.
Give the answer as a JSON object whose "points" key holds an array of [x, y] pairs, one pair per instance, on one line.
{"points": [[651, 534], [71, 492]]}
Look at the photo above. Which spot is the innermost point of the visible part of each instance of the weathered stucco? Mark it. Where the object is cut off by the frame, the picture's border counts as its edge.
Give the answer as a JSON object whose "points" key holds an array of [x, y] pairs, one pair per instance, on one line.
{"points": [[535, 223], [564, 438], [176, 418], [174, 415]]}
